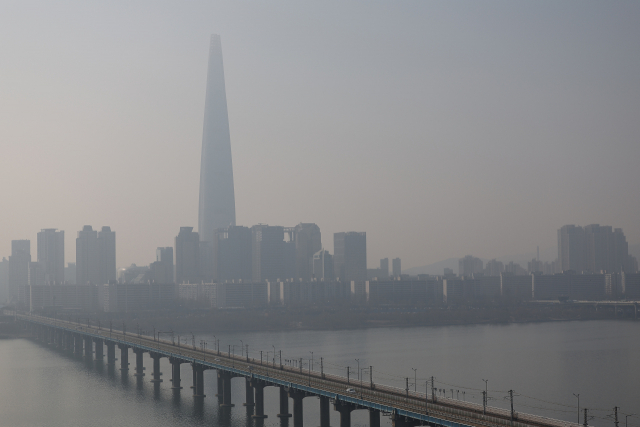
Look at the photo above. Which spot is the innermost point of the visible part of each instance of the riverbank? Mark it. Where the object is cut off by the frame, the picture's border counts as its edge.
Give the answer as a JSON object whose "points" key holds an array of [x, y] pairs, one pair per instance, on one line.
{"points": [[344, 318]]}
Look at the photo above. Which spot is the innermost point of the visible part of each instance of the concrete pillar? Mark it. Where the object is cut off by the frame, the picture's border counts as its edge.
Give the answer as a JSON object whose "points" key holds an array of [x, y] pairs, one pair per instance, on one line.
{"points": [[156, 367], [284, 403], [78, 344], [226, 388], [220, 387], [111, 353], [175, 373], [124, 357], [297, 397], [345, 412], [248, 390], [198, 376], [258, 387], [139, 362], [88, 346], [324, 412], [374, 418], [399, 421], [99, 353]]}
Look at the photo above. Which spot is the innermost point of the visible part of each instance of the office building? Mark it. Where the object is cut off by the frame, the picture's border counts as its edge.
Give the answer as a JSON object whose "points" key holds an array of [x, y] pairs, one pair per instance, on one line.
{"points": [[217, 200], [267, 252], [51, 255], [162, 268], [308, 242], [106, 256], [350, 256], [87, 257], [187, 256], [384, 267], [323, 266]]}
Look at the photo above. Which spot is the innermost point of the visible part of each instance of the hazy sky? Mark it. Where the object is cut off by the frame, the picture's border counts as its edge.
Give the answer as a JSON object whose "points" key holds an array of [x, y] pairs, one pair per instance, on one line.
{"points": [[439, 128]]}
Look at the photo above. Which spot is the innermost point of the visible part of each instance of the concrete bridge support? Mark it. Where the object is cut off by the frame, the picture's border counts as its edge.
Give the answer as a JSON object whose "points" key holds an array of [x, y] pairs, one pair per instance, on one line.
{"points": [[248, 393], [198, 380], [156, 367], [399, 421], [284, 403], [88, 346], [297, 397], [139, 362], [258, 387], [175, 373], [99, 352], [225, 378], [344, 409], [111, 353], [324, 412], [374, 418], [78, 344], [124, 357]]}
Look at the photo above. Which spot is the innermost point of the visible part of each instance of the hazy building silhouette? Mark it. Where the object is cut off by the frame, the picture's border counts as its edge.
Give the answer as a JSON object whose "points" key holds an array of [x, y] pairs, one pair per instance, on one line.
{"points": [[350, 256], [51, 254], [187, 256], [323, 266], [384, 267], [232, 254], [70, 273], [107, 272], [162, 268], [469, 265], [87, 254], [308, 241], [267, 252], [217, 200], [493, 268], [397, 267], [593, 248], [4, 279], [571, 245], [19, 269]]}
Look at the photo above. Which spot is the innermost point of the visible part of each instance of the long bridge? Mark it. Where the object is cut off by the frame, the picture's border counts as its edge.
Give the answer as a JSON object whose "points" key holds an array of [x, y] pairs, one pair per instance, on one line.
{"points": [[405, 408]]}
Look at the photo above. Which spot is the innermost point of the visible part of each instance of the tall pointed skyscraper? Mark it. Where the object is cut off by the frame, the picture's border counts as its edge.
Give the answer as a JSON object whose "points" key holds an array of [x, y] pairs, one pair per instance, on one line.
{"points": [[217, 200]]}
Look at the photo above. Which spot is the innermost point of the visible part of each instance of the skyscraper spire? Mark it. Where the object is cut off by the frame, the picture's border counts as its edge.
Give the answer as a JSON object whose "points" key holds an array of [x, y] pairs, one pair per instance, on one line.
{"points": [[217, 199]]}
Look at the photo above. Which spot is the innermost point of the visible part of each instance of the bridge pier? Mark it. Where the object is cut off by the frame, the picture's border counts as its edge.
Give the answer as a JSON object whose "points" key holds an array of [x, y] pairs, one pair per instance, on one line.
{"points": [[156, 367], [284, 403], [258, 386], [78, 344], [139, 362], [111, 353], [88, 346], [374, 417], [297, 397], [324, 413], [225, 377], [175, 373], [124, 357], [344, 409], [99, 352], [248, 391], [198, 377]]}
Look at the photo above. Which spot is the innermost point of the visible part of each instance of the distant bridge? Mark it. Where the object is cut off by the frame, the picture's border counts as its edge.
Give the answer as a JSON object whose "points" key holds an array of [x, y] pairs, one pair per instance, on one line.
{"points": [[404, 407]]}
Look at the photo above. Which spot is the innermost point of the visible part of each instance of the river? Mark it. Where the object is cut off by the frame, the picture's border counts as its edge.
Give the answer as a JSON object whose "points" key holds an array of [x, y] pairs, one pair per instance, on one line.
{"points": [[545, 364]]}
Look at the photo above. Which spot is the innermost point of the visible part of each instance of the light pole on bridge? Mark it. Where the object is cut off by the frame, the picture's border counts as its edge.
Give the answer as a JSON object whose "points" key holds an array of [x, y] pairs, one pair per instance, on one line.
{"points": [[578, 397], [485, 397], [415, 379]]}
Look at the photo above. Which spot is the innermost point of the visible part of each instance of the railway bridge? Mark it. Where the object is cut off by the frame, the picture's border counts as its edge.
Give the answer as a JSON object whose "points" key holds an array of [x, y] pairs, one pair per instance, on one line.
{"points": [[405, 408]]}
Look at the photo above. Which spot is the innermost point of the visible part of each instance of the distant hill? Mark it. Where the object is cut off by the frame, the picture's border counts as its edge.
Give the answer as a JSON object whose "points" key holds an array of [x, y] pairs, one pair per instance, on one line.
{"points": [[437, 268]]}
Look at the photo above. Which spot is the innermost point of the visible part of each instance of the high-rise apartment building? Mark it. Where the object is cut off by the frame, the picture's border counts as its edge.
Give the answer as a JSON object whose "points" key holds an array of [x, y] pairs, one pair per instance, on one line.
{"points": [[51, 255], [107, 272], [19, 269], [397, 267], [384, 267], [87, 256], [469, 265], [217, 200], [350, 256], [308, 242], [232, 254], [267, 252], [593, 248], [187, 256]]}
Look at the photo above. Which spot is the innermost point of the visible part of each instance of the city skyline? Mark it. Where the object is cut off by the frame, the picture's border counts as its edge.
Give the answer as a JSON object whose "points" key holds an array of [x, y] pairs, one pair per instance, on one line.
{"points": [[474, 137]]}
